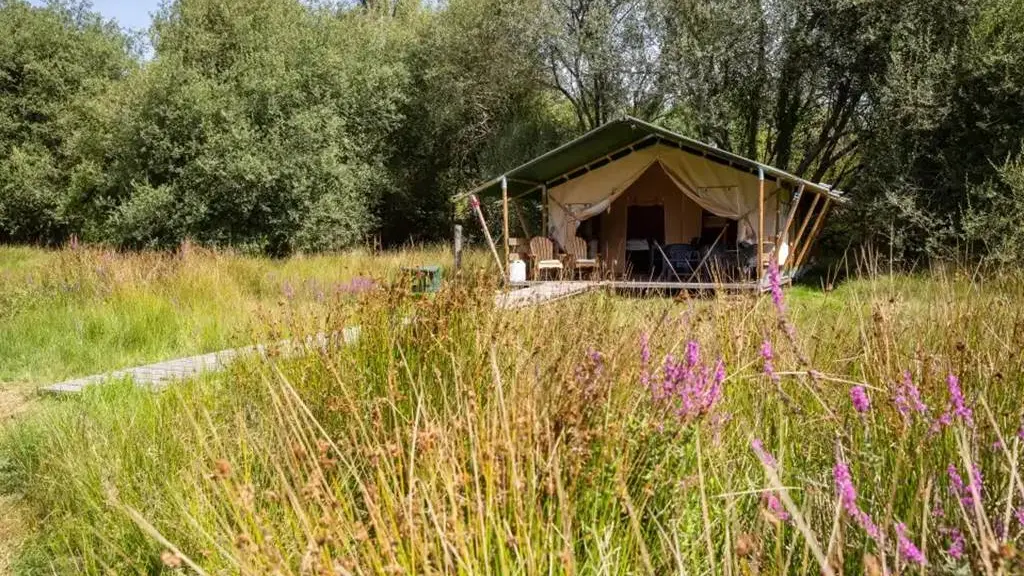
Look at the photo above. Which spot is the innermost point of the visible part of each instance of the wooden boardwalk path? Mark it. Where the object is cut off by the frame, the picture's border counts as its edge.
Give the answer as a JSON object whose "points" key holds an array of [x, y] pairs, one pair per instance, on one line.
{"points": [[544, 293], [160, 374]]}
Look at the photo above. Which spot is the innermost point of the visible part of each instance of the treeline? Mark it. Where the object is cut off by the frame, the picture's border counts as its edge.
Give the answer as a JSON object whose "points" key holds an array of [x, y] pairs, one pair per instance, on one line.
{"points": [[279, 125]]}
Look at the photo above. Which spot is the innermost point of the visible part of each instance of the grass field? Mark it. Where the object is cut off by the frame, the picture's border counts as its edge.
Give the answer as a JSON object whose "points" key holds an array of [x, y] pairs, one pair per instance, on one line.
{"points": [[875, 428], [79, 312]]}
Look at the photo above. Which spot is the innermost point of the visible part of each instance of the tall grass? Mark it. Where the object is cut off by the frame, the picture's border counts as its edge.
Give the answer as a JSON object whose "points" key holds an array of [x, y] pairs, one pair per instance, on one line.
{"points": [[589, 436], [75, 312]]}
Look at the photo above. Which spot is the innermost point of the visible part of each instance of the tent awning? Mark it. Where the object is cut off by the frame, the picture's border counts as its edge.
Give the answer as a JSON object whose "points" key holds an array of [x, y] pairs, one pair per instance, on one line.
{"points": [[618, 139]]}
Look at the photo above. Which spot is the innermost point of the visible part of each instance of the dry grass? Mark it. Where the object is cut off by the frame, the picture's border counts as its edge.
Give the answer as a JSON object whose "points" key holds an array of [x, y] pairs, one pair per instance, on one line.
{"points": [[457, 438]]}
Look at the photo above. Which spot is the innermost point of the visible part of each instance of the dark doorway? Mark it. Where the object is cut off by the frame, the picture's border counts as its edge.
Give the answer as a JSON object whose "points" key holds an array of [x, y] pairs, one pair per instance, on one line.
{"points": [[644, 224]]}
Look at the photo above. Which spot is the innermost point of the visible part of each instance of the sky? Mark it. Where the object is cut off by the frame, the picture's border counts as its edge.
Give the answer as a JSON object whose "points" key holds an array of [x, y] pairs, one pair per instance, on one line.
{"points": [[132, 14]]}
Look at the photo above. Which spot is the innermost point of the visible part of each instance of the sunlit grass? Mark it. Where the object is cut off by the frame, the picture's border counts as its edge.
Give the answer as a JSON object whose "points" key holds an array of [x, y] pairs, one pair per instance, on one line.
{"points": [[71, 313], [458, 438]]}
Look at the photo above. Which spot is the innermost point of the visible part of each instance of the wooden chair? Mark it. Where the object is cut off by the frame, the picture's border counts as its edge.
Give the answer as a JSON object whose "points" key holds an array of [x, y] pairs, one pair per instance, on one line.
{"points": [[577, 250], [542, 253]]}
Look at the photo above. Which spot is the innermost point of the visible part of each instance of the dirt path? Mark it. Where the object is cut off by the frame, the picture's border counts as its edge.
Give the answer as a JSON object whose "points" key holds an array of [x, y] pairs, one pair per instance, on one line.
{"points": [[14, 400]]}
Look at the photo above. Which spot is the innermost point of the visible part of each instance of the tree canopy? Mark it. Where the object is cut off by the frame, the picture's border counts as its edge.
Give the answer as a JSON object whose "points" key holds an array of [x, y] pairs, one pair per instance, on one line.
{"points": [[279, 125]]}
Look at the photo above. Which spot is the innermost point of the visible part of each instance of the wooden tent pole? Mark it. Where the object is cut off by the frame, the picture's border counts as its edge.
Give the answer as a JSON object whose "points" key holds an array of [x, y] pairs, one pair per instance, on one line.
{"points": [[813, 235], [798, 240], [544, 211], [760, 225], [504, 215], [797, 196], [475, 203]]}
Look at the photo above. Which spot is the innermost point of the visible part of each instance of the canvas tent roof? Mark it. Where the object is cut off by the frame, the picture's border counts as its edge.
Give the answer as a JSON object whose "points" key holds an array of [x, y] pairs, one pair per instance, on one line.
{"points": [[616, 140]]}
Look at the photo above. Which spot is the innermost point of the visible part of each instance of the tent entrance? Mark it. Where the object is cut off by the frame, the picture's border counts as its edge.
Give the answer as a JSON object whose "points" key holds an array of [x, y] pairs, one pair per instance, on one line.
{"points": [[644, 226]]}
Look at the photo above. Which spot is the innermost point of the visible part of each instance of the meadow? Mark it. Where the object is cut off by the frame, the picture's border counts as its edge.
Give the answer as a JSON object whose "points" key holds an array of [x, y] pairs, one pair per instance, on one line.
{"points": [[874, 428]]}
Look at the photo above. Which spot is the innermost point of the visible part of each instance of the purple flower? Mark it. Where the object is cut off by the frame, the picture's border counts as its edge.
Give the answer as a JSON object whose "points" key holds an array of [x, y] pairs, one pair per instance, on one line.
{"points": [[956, 544], [763, 455], [961, 490], [689, 387], [775, 507], [859, 397], [848, 496], [908, 398], [776, 286], [1020, 432], [907, 548], [768, 355], [692, 353], [1019, 515], [956, 397]]}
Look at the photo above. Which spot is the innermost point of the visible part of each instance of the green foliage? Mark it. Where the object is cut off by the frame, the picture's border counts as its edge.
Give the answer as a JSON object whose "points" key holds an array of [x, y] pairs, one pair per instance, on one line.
{"points": [[282, 126], [50, 60]]}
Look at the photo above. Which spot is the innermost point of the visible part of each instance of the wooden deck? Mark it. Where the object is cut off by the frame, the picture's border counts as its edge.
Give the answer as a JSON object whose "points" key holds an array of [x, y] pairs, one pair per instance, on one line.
{"points": [[649, 285], [536, 293]]}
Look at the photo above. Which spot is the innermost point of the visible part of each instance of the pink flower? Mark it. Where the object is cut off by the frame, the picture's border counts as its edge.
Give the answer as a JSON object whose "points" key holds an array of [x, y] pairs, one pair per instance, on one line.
{"points": [[859, 397], [775, 282], [956, 397], [763, 455], [908, 398], [907, 548], [768, 356], [848, 496], [775, 507], [956, 544]]}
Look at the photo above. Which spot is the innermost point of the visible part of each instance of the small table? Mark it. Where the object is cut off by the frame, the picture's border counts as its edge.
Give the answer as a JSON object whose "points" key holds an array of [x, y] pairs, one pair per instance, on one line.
{"points": [[425, 279]]}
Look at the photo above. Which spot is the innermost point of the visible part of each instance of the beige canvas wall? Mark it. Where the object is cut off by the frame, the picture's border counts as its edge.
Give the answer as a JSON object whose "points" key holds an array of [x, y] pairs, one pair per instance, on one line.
{"points": [[653, 188]]}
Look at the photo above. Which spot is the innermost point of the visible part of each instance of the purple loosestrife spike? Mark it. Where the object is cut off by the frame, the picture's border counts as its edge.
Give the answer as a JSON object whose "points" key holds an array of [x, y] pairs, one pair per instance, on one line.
{"points": [[908, 398], [763, 455], [956, 544], [1019, 515], [1020, 432], [767, 355], [776, 286], [907, 548], [848, 496], [692, 353], [859, 397], [959, 489], [956, 397], [772, 503]]}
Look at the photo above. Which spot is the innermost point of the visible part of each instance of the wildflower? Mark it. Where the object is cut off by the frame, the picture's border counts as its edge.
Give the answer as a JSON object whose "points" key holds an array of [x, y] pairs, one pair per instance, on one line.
{"points": [[908, 398], [956, 396], [767, 355], [774, 507], [763, 455], [692, 353], [1019, 515], [961, 490], [848, 497], [907, 548], [775, 283], [689, 386], [1020, 432], [956, 544], [859, 397]]}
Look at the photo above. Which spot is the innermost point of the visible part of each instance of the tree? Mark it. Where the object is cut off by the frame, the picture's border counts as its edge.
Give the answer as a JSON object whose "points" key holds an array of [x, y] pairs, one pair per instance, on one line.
{"points": [[52, 58]]}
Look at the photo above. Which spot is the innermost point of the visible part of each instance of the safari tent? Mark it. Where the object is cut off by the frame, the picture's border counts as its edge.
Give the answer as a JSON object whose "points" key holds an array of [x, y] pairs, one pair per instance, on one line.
{"points": [[657, 208]]}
